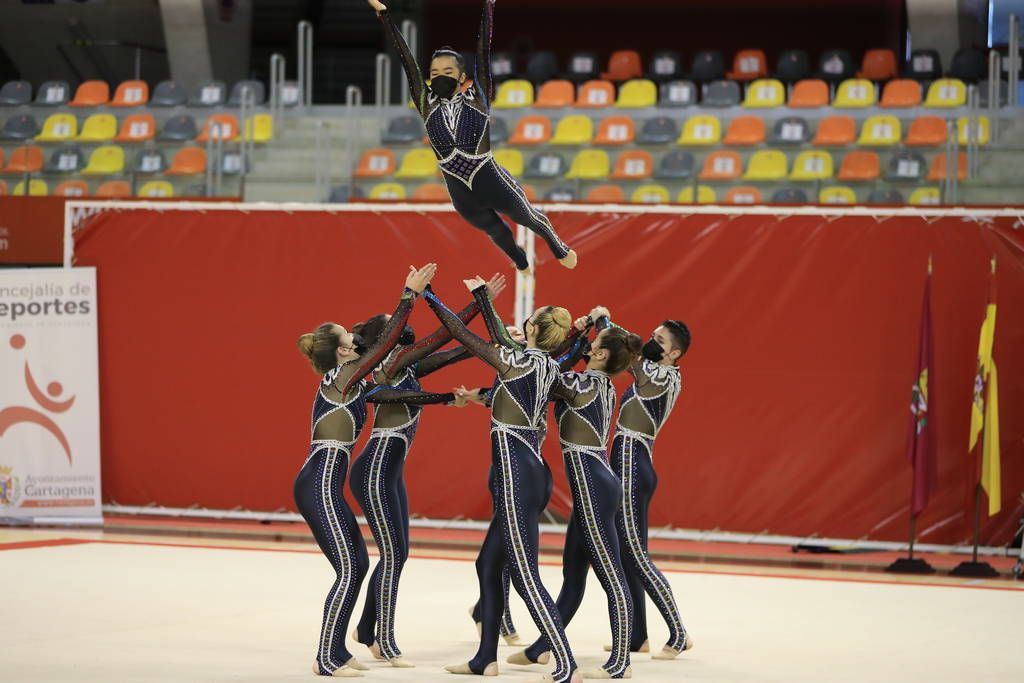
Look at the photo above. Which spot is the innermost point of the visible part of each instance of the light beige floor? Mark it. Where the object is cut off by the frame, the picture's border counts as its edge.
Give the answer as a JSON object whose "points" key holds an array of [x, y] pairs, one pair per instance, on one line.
{"points": [[116, 612]]}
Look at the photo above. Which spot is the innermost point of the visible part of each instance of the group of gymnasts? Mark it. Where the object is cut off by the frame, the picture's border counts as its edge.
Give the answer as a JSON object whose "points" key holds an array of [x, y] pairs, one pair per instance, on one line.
{"points": [[381, 361]]}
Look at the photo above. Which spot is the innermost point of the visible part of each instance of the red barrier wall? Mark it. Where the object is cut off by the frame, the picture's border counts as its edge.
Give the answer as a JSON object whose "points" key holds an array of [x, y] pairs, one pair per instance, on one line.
{"points": [[794, 411], [31, 230]]}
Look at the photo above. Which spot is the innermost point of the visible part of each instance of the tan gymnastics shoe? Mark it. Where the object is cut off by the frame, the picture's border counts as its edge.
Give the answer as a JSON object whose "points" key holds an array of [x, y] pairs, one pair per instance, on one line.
{"points": [[356, 664], [547, 678], [671, 653], [401, 663], [489, 670], [521, 659], [513, 639], [569, 260]]}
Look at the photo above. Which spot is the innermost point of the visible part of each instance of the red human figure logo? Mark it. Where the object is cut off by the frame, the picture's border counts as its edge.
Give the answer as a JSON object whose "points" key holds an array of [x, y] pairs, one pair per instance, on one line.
{"points": [[22, 414]]}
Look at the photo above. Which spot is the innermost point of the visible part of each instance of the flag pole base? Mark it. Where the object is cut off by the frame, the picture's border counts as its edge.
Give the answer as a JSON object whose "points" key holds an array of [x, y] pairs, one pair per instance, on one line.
{"points": [[908, 565], [975, 569]]}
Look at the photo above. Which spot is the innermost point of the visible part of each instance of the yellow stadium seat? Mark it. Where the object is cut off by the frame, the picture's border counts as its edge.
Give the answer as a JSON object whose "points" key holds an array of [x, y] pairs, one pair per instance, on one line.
{"points": [[925, 196], [855, 93], [766, 164], [36, 188], [514, 94], [764, 93], [98, 128], [58, 128], [106, 160], [981, 130], [637, 93], [650, 194], [837, 195], [590, 164], [701, 130], [812, 165], [511, 160], [388, 191], [418, 163], [157, 188], [705, 195], [881, 131], [573, 130], [260, 127], [946, 93]]}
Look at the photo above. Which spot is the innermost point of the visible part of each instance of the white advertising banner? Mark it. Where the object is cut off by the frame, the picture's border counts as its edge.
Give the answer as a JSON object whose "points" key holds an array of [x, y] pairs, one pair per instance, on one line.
{"points": [[49, 396]]}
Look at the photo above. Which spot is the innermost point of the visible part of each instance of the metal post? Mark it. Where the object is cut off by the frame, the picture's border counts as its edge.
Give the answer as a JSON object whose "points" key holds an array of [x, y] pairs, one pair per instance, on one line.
{"points": [[138, 63], [973, 131], [411, 34], [322, 168], [277, 64], [383, 81], [305, 61], [1013, 89], [994, 81], [218, 169], [353, 105], [209, 166], [953, 165]]}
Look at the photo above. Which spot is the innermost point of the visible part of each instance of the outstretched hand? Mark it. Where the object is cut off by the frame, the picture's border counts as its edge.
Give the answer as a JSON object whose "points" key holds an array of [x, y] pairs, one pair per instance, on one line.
{"points": [[474, 282], [599, 311], [495, 285], [467, 396], [417, 280], [377, 5], [582, 323]]}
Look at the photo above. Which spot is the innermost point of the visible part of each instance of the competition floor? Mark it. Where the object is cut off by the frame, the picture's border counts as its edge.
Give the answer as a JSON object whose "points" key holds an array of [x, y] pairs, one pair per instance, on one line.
{"points": [[117, 607]]}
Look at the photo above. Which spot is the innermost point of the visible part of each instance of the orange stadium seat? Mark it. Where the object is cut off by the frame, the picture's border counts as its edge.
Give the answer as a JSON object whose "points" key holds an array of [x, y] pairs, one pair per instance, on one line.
{"points": [[612, 194], [131, 94], [743, 195], [26, 159], [860, 166], [748, 65], [901, 93], [91, 94], [836, 131], [722, 165], [745, 130], [596, 95], [878, 65], [531, 130], [219, 127], [137, 128], [431, 192], [188, 161], [556, 94], [633, 165], [809, 94], [72, 188], [927, 131], [375, 163], [616, 130], [3, 187], [939, 168], [624, 65], [114, 189]]}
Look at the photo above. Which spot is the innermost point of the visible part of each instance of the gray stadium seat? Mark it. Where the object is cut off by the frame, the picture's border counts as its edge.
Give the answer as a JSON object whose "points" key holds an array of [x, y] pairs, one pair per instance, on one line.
{"points": [[658, 131], [583, 66], [676, 165], [259, 93], [884, 196], [178, 129], [924, 65], [208, 94], [792, 66], [545, 165], [721, 94], [231, 163], [665, 66], [969, 64], [907, 166], [677, 94], [789, 195], [65, 160], [792, 130], [499, 129], [403, 130], [16, 93], [560, 194], [503, 66], [707, 66], [21, 127], [341, 194], [836, 66], [149, 161], [167, 94], [542, 66], [53, 94]]}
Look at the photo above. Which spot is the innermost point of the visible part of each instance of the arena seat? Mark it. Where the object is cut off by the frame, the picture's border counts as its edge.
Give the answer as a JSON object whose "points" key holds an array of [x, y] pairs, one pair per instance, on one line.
{"points": [[812, 165], [748, 65], [878, 65], [855, 93], [860, 166], [137, 128], [885, 197], [969, 65], [259, 93], [809, 94], [901, 93], [590, 164], [745, 130], [981, 129], [498, 127], [721, 166], [556, 94], [503, 66], [514, 94], [595, 95], [208, 94], [98, 128], [677, 94], [155, 189], [835, 66], [765, 93], [924, 65], [3, 187], [91, 94], [766, 164], [59, 128], [665, 65], [611, 194], [880, 131], [701, 130], [721, 94], [615, 130], [560, 194], [387, 192], [906, 166], [149, 161], [375, 163], [792, 66], [187, 161], [676, 165], [178, 129], [789, 195], [231, 163], [703, 195], [36, 188], [837, 194], [72, 188], [939, 171], [927, 131], [530, 192], [743, 195], [650, 194], [403, 130], [531, 130], [791, 130], [707, 66], [259, 128], [925, 196], [633, 165], [106, 160], [546, 165], [53, 94], [660, 130], [219, 127], [946, 93], [624, 65], [583, 66], [131, 94], [573, 130], [167, 94], [21, 127], [541, 66], [509, 159], [431, 192], [418, 164], [16, 93], [25, 159], [65, 160], [835, 131], [637, 93], [114, 189]]}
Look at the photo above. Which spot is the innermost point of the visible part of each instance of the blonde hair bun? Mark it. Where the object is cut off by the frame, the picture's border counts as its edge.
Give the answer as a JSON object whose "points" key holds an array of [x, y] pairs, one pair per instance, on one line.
{"points": [[306, 344]]}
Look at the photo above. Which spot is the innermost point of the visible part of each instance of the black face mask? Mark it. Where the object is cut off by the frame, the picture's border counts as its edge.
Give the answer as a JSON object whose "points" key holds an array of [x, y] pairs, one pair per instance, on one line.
{"points": [[358, 345], [587, 348], [652, 351], [408, 336], [443, 86]]}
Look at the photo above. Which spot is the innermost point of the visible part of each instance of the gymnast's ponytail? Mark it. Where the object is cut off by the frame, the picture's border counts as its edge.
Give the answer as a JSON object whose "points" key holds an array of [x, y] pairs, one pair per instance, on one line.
{"points": [[321, 347]]}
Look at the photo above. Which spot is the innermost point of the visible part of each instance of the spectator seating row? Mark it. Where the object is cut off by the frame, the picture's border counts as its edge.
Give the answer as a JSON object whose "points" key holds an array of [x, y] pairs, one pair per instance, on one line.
{"points": [[110, 189], [110, 160], [136, 128], [136, 94]]}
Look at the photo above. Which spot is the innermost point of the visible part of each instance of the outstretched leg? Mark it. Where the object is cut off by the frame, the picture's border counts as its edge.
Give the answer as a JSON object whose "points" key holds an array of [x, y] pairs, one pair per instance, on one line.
{"points": [[481, 216], [510, 199]]}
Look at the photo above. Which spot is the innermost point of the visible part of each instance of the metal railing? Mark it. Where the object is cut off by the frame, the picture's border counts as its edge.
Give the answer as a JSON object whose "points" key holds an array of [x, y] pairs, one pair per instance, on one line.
{"points": [[214, 161], [353, 101], [994, 81], [322, 167], [411, 34], [382, 83], [305, 63], [973, 130], [1013, 68], [277, 67]]}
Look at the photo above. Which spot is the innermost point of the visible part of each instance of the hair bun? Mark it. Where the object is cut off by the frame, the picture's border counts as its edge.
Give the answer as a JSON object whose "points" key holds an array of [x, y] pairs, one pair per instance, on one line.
{"points": [[306, 344], [634, 344]]}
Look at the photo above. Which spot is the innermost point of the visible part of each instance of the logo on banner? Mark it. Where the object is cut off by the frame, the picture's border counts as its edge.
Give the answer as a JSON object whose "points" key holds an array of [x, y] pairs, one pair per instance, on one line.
{"points": [[10, 488], [15, 415]]}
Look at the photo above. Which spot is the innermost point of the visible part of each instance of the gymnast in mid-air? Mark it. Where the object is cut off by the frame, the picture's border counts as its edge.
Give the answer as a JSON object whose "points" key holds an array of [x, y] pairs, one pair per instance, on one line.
{"points": [[456, 117]]}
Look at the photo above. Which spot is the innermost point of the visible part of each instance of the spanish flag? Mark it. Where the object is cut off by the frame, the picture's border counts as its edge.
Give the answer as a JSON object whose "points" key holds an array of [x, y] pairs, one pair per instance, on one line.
{"points": [[985, 408]]}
